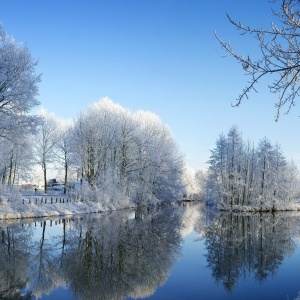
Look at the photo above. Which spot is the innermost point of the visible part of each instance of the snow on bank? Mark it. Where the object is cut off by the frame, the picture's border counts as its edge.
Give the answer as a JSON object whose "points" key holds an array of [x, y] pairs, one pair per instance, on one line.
{"points": [[18, 210]]}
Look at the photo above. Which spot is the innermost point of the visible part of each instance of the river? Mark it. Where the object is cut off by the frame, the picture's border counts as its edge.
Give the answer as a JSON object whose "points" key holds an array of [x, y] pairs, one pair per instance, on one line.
{"points": [[166, 252]]}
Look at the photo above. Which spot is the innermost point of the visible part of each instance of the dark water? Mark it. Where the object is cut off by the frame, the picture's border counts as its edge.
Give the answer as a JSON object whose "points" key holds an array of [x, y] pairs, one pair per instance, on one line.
{"points": [[163, 253]]}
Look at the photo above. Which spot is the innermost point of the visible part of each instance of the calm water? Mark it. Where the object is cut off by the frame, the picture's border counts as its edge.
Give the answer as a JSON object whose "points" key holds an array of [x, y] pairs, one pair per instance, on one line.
{"points": [[164, 253]]}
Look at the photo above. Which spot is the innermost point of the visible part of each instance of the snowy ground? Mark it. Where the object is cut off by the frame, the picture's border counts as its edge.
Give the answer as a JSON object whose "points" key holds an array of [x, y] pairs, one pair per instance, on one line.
{"points": [[37, 204]]}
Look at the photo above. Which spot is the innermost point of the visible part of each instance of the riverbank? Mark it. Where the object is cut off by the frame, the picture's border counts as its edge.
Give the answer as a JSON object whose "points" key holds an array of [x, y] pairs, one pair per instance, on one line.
{"points": [[292, 206], [48, 206]]}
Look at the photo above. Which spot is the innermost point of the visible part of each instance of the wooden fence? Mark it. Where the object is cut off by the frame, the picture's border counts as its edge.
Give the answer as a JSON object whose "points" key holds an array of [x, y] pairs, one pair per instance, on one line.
{"points": [[51, 200]]}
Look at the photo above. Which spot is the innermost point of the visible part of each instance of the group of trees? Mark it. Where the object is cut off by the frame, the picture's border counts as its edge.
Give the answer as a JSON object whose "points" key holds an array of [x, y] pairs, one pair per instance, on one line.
{"points": [[134, 154], [112, 150], [241, 174], [18, 91]]}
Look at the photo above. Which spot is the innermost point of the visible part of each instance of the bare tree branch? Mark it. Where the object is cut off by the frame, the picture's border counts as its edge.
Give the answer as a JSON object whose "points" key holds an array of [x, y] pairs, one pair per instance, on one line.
{"points": [[280, 56]]}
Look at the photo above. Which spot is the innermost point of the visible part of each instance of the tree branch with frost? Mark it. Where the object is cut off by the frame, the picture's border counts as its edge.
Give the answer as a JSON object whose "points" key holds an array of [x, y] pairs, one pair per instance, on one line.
{"points": [[18, 85], [279, 56]]}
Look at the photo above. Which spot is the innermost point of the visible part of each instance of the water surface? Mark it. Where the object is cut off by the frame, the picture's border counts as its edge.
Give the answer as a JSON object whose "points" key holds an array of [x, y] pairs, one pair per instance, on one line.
{"points": [[170, 252]]}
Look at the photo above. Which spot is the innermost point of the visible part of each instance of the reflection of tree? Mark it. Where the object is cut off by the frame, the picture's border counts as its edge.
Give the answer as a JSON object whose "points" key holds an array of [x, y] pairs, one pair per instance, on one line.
{"points": [[13, 261], [104, 256], [191, 217], [45, 275], [238, 245], [117, 255]]}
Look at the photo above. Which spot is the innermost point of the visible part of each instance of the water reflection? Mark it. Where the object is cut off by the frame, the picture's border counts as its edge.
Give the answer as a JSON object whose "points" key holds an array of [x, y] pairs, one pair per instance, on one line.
{"points": [[108, 256], [131, 253], [14, 260], [242, 245]]}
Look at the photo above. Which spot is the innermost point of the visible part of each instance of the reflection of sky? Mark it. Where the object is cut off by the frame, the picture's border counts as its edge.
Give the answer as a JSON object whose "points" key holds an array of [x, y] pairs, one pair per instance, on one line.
{"points": [[58, 294], [51, 230], [190, 278]]}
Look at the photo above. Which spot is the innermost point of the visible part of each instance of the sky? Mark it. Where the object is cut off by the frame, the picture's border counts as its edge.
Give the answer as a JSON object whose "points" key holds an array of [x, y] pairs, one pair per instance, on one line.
{"points": [[156, 55]]}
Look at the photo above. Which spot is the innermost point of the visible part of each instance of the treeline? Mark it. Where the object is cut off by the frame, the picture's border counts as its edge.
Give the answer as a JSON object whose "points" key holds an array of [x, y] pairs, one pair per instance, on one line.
{"points": [[134, 153], [241, 174], [110, 150]]}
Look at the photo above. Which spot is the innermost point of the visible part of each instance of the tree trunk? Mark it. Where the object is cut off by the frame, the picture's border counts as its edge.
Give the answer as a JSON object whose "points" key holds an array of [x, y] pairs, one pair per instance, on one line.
{"points": [[14, 175], [10, 169], [66, 178], [45, 178]]}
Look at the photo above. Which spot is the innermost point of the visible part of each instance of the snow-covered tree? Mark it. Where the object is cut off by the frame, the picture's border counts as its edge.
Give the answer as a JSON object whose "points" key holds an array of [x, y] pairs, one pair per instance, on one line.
{"points": [[293, 181], [45, 140], [132, 153], [234, 165], [191, 182], [160, 163], [201, 182], [18, 87], [16, 159], [226, 165], [217, 172], [240, 174], [279, 55], [63, 148]]}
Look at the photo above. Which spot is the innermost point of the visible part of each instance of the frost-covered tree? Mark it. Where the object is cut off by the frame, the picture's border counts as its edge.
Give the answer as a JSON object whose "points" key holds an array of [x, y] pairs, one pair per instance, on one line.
{"points": [[191, 182], [279, 55], [131, 154], [234, 164], [217, 172], [160, 164], [18, 87], [226, 164], [293, 181], [201, 182], [63, 148], [240, 174], [16, 159], [265, 159], [45, 140], [94, 141]]}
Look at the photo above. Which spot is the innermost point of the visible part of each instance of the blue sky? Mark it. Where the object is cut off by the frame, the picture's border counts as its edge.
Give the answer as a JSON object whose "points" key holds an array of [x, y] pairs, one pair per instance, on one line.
{"points": [[156, 55]]}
